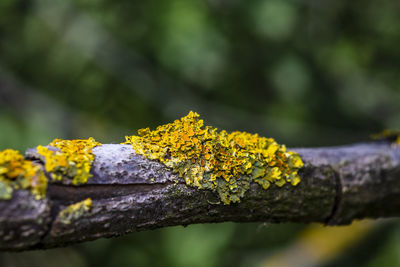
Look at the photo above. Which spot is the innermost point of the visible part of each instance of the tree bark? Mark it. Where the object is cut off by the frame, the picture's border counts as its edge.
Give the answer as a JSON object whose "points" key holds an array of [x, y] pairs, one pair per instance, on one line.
{"points": [[130, 193]]}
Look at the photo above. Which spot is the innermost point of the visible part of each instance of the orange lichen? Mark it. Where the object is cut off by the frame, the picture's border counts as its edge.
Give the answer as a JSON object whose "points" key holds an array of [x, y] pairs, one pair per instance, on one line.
{"points": [[18, 173], [72, 159], [218, 160]]}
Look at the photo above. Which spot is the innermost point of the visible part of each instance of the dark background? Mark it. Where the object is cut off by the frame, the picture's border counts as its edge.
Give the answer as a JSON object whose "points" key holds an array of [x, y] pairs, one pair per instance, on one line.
{"points": [[306, 72]]}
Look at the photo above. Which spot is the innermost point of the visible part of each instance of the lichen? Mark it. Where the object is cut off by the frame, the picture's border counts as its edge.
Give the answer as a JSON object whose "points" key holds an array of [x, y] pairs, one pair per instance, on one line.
{"points": [[75, 211], [73, 159], [217, 160], [18, 173], [390, 135]]}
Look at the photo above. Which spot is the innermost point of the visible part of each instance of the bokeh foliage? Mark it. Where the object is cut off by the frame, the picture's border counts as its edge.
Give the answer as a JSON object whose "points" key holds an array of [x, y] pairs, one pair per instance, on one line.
{"points": [[306, 72]]}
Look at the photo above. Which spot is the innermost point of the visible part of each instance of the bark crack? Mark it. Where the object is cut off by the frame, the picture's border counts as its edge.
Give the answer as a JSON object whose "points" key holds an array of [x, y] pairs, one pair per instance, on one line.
{"points": [[338, 198], [70, 194]]}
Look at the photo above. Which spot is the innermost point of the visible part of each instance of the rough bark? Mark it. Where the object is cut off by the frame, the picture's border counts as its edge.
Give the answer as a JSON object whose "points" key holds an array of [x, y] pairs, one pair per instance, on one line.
{"points": [[131, 193]]}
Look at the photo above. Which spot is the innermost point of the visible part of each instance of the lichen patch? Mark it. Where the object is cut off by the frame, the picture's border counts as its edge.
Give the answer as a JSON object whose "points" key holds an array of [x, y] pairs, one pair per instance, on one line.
{"points": [[75, 211], [390, 135], [73, 159], [217, 160], [18, 173]]}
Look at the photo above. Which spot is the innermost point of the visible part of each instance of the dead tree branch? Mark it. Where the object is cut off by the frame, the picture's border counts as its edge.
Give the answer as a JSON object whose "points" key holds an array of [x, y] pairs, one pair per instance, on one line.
{"points": [[130, 193]]}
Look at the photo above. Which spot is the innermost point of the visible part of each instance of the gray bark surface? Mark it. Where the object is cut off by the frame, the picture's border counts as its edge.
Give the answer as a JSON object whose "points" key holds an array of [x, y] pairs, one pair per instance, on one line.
{"points": [[130, 193]]}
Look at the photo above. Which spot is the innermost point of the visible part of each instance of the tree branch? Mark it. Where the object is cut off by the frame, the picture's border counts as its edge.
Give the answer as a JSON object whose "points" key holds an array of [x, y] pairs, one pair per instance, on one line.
{"points": [[130, 193]]}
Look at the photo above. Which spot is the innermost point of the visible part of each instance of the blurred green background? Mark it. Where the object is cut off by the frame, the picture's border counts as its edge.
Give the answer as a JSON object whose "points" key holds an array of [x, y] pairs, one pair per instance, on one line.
{"points": [[306, 72]]}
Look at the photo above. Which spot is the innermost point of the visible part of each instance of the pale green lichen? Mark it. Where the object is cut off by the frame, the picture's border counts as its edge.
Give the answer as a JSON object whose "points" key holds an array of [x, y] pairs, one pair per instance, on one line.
{"points": [[73, 159], [18, 173], [223, 162], [75, 211]]}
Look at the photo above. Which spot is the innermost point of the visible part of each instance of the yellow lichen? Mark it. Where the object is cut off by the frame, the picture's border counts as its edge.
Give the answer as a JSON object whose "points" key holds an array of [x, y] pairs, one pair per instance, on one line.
{"points": [[74, 211], [18, 173], [218, 160], [72, 159], [390, 135]]}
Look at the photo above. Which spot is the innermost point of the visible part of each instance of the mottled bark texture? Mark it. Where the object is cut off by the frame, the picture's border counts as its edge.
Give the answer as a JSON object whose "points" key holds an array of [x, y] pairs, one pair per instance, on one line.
{"points": [[131, 193]]}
